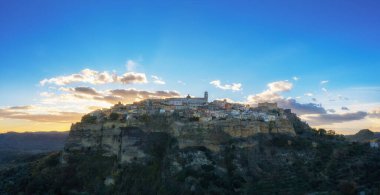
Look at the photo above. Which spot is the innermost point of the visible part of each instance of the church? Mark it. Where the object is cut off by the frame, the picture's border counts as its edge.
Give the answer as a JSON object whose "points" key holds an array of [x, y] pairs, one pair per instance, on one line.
{"points": [[189, 101]]}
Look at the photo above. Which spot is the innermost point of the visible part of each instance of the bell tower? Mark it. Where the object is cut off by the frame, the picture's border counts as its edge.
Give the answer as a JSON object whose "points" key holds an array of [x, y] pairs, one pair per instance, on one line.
{"points": [[206, 96]]}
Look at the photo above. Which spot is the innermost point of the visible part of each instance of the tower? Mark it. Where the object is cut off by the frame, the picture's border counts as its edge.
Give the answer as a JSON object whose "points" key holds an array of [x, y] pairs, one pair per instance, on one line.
{"points": [[206, 96]]}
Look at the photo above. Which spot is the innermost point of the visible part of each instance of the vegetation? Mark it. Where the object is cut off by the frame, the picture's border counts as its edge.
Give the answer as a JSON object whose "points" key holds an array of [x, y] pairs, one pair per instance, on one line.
{"points": [[277, 164], [114, 116], [88, 119]]}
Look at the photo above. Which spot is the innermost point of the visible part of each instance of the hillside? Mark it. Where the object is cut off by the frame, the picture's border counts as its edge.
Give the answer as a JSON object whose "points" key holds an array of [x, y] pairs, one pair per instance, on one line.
{"points": [[17, 146], [134, 150], [364, 135]]}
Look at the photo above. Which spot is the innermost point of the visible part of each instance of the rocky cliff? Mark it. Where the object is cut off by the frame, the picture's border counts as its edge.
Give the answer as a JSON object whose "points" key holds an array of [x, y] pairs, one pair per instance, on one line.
{"points": [[122, 136], [111, 152]]}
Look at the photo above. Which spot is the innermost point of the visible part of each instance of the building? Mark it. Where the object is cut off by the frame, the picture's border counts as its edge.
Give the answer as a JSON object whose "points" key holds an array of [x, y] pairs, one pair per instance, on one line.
{"points": [[188, 102], [267, 105]]}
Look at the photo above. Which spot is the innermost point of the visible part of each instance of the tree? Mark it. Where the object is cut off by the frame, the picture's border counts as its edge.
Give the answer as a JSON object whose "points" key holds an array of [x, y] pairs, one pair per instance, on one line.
{"points": [[114, 116], [88, 119], [331, 132], [322, 132]]}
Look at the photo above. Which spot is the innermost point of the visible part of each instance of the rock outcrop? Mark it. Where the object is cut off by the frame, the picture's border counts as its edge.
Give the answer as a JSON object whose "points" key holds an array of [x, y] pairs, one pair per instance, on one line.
{"points": [[123, 135]]}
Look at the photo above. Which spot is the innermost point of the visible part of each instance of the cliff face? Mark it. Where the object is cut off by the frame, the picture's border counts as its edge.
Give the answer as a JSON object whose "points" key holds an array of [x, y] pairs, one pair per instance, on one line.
{"points": [[124, 138], [175, 154]]}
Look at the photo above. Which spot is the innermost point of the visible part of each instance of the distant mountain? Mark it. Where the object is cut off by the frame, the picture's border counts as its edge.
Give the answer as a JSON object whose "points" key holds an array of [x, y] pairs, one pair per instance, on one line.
{"points": [[33, 142], [18, 146], [364, 135]]}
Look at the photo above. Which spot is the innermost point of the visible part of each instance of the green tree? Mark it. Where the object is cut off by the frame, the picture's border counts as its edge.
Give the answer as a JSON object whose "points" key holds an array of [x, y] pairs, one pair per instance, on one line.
{"points": [[88, 119], [322, 132], [114, 116]]}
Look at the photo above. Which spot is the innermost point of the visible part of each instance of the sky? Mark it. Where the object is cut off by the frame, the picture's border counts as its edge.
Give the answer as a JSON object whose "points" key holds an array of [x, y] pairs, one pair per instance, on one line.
{"points": [[61, 59]]}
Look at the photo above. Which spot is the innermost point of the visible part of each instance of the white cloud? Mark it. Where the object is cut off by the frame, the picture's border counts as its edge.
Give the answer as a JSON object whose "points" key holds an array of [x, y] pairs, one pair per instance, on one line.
{"points": [[131, 65], [324, 89], [272, 93], [181, 82], [158, 80], [296, 78], [96, 77], [309, 94], [132, 77], [324, 82], [280, 86], [233, 86], [46, 94], [120, 95]]}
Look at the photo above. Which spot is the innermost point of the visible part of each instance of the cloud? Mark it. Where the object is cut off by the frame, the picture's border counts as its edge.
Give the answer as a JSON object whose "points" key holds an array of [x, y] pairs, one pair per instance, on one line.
{"points": [[295, 78], [331, 110], [265, 96], [375, 113], [158, 80], [118, 95], [96, 77], [280, 86], [60, 117], [272, 94], [344, 108], [340, 97], [233, 86], [20, 107], [132, 77], [46, 94], [324, 89], [301, 109], [314, 99], [85, 90], [130, 95], [309, 94], [181, 82], [324, 82], [131, 65], [324, 119]]}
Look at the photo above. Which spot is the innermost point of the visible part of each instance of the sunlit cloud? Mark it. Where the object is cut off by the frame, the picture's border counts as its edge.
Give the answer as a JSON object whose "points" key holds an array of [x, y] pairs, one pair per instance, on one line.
{"points": [[95, 78], [272, 94], [324, 82], [113, 96], [60, 117], [158, 80], [233, 86]]}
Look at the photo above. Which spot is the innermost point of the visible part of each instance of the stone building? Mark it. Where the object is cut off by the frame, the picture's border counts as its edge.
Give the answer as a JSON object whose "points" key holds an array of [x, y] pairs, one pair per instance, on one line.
{"points": [[188, 102]]}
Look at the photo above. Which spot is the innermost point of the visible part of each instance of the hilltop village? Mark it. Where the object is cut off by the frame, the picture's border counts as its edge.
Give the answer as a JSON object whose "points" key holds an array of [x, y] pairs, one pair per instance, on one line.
{"points": [[192, 146], [195, 109], [192, 121]]}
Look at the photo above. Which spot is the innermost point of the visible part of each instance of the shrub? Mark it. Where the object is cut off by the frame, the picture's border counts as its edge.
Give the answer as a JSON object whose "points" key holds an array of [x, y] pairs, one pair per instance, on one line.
{"points": [[114, 116], [88, 119]]}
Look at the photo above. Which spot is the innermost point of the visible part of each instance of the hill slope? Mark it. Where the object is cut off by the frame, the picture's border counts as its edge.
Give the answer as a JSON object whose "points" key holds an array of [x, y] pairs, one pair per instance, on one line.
{"points": [[17, 146]]}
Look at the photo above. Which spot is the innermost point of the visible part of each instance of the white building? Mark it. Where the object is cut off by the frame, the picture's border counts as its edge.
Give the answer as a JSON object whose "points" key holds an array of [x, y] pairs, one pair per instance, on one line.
{"points": [[188, 102]]}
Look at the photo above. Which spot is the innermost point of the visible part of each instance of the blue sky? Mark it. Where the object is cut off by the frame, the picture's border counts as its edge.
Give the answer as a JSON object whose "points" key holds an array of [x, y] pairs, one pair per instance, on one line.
{"points": [[253, 43]]}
